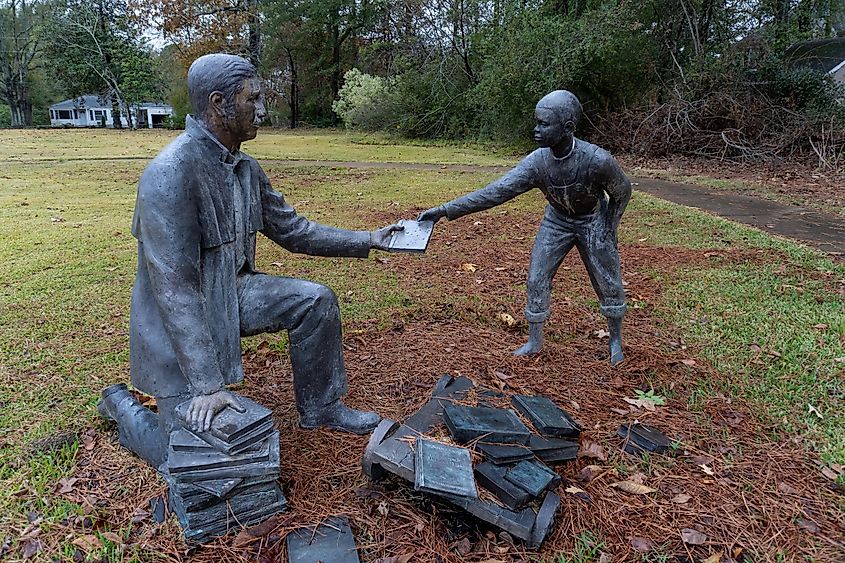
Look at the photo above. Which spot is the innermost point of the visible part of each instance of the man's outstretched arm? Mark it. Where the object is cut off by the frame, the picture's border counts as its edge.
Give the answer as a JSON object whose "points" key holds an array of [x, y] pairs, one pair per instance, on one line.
{"points": [[517, 181], [297, 234]]}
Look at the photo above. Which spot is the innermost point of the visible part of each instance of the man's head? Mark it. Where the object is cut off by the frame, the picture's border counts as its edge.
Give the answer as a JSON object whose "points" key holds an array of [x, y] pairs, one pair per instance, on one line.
{"points": [[225, 94], [557, 115]]}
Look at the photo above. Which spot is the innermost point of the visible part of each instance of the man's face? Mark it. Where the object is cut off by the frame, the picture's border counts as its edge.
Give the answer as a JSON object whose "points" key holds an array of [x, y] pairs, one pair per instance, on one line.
{"points": [[247, 111], [549, 131]]}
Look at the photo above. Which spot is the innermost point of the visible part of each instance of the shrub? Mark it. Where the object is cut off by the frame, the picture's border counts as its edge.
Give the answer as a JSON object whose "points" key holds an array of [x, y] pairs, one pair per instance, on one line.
{"points": [[363, 101]]}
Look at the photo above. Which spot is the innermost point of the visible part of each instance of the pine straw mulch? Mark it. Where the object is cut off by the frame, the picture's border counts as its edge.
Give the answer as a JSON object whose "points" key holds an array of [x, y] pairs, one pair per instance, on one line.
{"points": [[752, 491]]}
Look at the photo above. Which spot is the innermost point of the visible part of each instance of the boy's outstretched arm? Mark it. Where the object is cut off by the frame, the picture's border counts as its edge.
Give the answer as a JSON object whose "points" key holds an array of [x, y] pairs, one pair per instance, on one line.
{"points": [[518, 181]]}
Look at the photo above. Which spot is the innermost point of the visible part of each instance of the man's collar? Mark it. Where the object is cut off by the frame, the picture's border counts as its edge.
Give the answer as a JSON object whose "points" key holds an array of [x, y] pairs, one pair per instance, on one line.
{"points": [[198, 130]]}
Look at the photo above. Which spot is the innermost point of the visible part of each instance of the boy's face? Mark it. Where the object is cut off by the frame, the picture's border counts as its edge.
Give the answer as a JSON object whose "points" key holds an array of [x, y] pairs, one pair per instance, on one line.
{"points": [[549, 131]]}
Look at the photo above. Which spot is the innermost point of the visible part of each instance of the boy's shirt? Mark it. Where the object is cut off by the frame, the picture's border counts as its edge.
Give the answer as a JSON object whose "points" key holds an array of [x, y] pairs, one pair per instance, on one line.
{"points": [[574, 184]]}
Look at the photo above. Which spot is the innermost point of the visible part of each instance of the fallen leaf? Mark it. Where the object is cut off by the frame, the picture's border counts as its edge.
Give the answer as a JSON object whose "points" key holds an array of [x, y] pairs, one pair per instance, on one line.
{"points": [[707, 470], [404, 558], [638, 478], [140, 515], [382, 508], [112, 537], [820, 326], [688, 362], [693, 537], [830, 473], [633, 488], [814, 410], [276, 264], [808, 525], [681, 498], [462, 547], [714, 558], [589, 473], [467, 267], [507, 319], [601, 333], [382, 260], [702, 459], [593, 450], [787, 489], [573, 490], [619, 411], [642, 545], [579, 493], [65, 485], [30, 548], [88, 543], [87, 442], [642, 403], [503, 376]]}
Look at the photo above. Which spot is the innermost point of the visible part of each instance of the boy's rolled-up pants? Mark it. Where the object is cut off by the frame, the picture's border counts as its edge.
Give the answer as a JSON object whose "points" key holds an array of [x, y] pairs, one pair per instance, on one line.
{"points": [[595, 242]]}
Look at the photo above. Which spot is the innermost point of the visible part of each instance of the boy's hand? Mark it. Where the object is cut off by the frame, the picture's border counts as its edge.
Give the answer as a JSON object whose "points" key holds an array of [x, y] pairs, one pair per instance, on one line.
{"points": [[434, 214], [204, 408], [380, 238]]}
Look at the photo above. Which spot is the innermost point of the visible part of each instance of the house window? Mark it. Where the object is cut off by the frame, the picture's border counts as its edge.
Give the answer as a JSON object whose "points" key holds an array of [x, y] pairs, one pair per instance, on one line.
{"points": [[64, 114]]}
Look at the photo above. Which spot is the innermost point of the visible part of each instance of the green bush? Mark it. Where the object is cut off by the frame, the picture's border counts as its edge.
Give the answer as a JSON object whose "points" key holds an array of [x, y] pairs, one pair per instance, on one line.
{"points": [[363, 101], [5, 117]]}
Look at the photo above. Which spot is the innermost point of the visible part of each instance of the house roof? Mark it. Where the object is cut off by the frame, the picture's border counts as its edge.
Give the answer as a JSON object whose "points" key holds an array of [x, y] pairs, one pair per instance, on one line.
{"points": [[90, 101], [824, 55], [83, 102]]}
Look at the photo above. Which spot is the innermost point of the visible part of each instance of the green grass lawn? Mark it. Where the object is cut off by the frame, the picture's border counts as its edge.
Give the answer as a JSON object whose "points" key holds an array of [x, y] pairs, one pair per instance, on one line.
{"points": [[772, 328], [270, 144]]}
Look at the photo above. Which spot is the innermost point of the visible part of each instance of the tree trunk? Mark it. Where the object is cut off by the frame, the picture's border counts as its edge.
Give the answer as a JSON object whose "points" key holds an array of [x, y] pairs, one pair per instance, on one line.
{"points": [[117, 122], [254, 33], [294, 91], [335, 79]]}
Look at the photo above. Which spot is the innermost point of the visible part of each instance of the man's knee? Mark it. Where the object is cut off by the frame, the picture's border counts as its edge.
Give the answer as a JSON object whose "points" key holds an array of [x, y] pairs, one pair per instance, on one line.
{"points": [[322, 297]]}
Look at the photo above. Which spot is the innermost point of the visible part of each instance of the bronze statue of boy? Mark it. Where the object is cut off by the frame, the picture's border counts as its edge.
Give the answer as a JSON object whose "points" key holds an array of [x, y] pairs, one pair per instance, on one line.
{"points": [[587, 193], [200, 203]]}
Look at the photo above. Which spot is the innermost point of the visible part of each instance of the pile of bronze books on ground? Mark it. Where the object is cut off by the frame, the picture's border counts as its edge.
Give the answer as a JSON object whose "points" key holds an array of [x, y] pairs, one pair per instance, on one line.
{"points": [[511, 462], [224, 478]]}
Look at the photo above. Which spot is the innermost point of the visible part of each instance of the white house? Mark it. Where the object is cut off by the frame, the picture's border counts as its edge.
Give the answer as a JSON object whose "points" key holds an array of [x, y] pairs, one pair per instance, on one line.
{"points": [[94, 111], [823, 55]]}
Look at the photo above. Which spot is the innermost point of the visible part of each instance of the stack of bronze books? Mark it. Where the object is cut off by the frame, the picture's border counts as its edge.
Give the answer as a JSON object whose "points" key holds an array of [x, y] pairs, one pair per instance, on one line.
{"points": [[224, 478]]}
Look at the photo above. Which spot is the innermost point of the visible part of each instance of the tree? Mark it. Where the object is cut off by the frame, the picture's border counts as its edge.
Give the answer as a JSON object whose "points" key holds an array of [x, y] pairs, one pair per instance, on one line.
{"points": [[21, 40], [101, 49]]}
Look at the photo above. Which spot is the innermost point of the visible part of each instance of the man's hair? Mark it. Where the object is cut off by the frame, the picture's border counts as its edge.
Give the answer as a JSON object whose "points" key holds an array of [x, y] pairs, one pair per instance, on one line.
{"points": [[217, 72], [565, 105]]}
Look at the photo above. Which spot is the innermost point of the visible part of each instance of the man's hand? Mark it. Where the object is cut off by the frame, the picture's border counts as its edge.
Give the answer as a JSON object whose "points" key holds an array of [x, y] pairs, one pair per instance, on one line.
{"points": [[204, 408], [380, 238], [434, 214]]}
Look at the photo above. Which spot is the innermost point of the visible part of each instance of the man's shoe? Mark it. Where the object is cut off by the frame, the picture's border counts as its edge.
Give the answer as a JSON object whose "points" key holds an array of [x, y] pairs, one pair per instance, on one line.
{"points": [[340, 417], [110, 397]]}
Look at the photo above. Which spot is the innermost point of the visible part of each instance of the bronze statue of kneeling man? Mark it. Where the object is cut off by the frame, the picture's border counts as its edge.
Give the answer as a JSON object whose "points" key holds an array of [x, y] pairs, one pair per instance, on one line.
{"points": [[587, 193], [200, 204]]}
